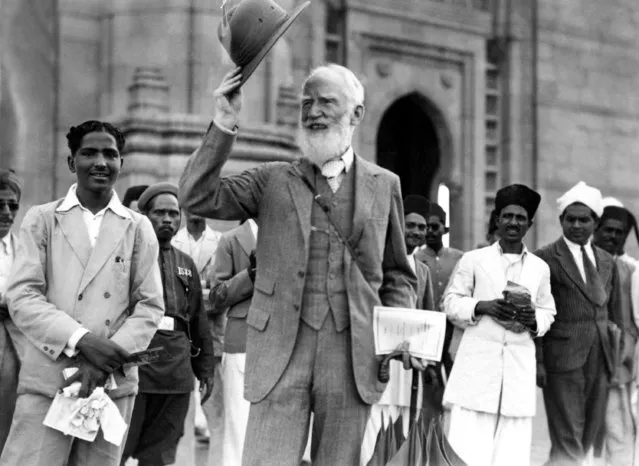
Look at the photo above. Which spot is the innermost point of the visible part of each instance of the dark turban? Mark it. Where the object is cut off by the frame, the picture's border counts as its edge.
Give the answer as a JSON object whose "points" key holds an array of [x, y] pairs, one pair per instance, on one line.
{"points": [[517, 194], [623, 215], [133, 194], [9, 179], [154, 190], [415, 204], [436, 210]]}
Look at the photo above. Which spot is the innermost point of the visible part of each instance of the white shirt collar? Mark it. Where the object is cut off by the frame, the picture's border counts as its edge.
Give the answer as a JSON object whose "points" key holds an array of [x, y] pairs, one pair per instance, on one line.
{"points": [[6, 241], [577, 247], [253, 227], [347, 157], [71, 200], [412, 260], [524, 250]]}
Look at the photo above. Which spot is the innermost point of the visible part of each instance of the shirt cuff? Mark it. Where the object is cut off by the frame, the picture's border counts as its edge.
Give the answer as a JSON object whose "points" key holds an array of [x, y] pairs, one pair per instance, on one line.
{"points": [[70, 350], [230, 132]]}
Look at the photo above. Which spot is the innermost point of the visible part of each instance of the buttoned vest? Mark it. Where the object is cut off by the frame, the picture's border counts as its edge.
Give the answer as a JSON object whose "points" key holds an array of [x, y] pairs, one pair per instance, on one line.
{"points": [[325, 286]]}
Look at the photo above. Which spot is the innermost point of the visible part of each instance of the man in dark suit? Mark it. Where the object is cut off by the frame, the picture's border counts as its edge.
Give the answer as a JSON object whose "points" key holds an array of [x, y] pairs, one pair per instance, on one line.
{"points": [[575, 358], [310, 345]]}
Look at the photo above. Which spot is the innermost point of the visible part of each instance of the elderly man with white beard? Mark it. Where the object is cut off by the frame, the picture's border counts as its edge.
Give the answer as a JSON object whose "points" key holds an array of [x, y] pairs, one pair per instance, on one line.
{"points": [[331, 247]]}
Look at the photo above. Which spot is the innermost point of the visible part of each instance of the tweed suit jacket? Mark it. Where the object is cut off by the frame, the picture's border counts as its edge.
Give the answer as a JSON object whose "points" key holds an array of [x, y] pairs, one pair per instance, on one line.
{"points": [[425, 294], [276, 195], [232, 287], [60, 284], [580, 315]]}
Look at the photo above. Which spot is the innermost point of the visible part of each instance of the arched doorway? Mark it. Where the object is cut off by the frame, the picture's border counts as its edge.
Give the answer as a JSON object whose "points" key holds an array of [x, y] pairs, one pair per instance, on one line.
{"points": [[409, 145]]}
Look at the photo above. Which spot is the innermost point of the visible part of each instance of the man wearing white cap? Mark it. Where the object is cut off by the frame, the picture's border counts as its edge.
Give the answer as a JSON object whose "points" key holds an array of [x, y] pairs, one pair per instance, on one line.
{"points": [[574, 359]]}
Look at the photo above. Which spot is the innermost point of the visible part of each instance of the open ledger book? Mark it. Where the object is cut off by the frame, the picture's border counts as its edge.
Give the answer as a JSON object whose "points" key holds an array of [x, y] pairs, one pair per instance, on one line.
{"points": [[423, 330]]}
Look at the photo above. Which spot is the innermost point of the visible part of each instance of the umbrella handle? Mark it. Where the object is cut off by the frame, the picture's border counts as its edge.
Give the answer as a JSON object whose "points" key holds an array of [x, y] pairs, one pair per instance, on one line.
{"points": [[383, 371]]}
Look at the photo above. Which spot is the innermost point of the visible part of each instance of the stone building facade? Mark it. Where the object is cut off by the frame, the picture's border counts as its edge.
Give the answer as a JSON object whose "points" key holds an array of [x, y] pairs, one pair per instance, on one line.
{"points": [[470, 94]]}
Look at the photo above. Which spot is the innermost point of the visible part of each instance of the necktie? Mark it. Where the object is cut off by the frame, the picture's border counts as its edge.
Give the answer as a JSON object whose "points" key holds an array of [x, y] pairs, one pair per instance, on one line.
{"points": [[333, 170], [592, 276]]}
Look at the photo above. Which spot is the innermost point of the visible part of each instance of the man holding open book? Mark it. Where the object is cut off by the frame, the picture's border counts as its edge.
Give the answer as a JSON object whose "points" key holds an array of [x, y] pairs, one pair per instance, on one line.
{"points": [[501, 295]]}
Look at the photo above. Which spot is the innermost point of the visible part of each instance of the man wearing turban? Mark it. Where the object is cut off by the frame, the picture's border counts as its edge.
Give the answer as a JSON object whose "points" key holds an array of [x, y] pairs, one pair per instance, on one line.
{"points": [[10, 192], [404, 385], [157, 423], [501, 296], [575, 359], [620, 433], [441, 261]]}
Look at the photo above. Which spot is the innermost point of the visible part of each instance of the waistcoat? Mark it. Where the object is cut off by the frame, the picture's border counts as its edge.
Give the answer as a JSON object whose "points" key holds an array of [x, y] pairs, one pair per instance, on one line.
{"points": [[325, 286]]}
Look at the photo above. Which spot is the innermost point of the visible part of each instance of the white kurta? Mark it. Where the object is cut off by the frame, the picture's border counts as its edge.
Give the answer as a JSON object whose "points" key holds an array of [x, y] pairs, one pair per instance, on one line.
{"points": [[493, 379]]}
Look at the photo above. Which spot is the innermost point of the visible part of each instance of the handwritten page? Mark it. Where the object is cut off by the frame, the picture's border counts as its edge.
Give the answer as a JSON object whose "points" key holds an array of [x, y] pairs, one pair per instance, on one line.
{"points": [[423, 330]]}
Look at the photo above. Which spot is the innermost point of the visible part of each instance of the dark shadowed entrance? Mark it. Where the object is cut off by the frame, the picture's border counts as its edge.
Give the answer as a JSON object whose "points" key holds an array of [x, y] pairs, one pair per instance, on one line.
{"points": [[408, 145]]}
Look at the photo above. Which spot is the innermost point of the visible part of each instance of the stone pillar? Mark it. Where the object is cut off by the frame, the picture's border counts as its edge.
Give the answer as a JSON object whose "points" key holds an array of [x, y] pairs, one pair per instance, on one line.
{"points": [[149, 92], [287, 107], [179, 36]]}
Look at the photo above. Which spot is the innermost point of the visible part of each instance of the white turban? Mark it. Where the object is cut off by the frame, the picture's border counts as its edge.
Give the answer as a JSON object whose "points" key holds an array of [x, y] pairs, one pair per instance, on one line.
{"points": [[610, 202], [583, 194]]}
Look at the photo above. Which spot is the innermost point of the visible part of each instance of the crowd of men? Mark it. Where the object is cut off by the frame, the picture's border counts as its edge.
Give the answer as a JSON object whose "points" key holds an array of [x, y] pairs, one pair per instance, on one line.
{"points": [[274, 318]]}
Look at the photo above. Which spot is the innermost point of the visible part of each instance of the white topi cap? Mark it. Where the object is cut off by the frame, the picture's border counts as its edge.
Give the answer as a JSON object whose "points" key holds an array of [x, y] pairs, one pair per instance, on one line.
{"points": [[584, 194], [611, 202]]}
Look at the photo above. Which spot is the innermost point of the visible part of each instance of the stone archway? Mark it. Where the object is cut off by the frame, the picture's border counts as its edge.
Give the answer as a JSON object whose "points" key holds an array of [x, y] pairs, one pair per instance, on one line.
{"points": [[408, 145], [413, 141]]}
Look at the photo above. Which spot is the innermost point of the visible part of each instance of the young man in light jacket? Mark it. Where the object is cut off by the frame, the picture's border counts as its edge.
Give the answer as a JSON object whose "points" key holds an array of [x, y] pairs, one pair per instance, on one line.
{"points": [[85, 290], [491, 390]]}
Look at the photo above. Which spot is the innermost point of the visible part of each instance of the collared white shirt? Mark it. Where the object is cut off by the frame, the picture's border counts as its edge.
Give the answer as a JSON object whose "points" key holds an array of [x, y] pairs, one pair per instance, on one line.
{"points": [[91, 220], [6, 261], [330, 167], [512, 264], [411, 261], [195, 245], [253, 226], [575, 250], [334, 169]]}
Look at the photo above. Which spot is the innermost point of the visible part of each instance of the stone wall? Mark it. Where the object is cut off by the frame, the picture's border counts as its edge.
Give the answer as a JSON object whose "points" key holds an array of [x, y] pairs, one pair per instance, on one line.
{"points": [[588, 101]]}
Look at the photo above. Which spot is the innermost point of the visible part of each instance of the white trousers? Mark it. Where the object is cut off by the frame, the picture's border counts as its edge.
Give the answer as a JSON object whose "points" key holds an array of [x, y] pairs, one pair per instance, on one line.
{"points": [[236, 408], [620, 427], [483, 439]]}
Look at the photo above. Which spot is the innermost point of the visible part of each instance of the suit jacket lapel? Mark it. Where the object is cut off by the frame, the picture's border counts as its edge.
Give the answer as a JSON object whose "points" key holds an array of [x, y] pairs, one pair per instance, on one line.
{"points": [[112, 230], [300, 194], [605, 269], [495, 270], [72, 226], [567, 262], [365, 184]]}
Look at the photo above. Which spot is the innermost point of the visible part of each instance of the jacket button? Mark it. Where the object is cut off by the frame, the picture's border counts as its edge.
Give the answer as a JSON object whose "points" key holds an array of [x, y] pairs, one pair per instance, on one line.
{"points": [[107, 322], [51, 351], [46, 348], [107, 295], [80, 297], [296, 307], [300, 274]]}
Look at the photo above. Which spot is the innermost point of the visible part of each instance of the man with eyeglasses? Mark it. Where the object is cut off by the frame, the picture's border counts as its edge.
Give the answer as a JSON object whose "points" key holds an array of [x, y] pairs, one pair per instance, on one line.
{"points": [[10, 192], [441, 261]]}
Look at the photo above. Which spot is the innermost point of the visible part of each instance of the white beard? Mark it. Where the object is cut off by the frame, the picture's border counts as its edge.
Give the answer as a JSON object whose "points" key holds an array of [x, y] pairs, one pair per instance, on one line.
{"points": [[322, 146]]}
